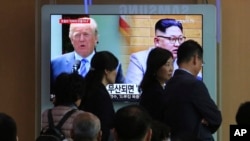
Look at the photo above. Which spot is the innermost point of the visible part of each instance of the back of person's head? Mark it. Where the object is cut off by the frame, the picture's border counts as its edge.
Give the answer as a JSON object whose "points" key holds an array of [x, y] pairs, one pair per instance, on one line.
{"points": [[156, 59], [186, 138], [69, 87], [8, 128], [243, 114], [187, 50], [101, 61], [132, 123], [163, 24], [86, 127], [161, 132]]}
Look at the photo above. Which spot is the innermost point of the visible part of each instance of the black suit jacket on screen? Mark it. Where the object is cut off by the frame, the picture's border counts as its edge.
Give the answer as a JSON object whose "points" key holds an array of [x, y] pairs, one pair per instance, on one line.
{"points": [[187, 103]]}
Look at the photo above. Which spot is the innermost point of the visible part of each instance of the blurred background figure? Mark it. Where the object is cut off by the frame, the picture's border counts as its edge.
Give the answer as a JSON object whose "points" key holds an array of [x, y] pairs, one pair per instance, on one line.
{"points": [[69, 89], [86, 127], [8, 128], [97, 99], [161, 132], [159, 70], [243, 114], [132, 123]]}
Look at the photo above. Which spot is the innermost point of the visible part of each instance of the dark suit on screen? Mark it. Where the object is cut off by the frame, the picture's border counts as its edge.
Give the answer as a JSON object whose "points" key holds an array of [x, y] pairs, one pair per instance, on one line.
{"points": [[187, 103], [63, 63], [152, 100]]}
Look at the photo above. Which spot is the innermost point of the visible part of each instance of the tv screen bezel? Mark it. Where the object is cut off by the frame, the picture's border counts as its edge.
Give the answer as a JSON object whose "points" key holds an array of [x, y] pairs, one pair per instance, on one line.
{"points": [[208, 13]]}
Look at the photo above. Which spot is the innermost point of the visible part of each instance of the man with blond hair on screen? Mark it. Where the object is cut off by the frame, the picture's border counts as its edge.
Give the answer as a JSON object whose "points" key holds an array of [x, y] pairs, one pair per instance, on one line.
{"points": [[84, 38]]}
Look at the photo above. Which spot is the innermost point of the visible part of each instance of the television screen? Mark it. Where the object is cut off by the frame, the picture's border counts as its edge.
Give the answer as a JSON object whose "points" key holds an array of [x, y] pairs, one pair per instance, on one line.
{"points": [[123, 30]]}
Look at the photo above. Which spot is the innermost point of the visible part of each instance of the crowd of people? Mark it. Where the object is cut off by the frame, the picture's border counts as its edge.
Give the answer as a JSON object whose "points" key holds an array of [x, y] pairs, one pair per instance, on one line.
{"points": [[168, 75], [174, 104]]}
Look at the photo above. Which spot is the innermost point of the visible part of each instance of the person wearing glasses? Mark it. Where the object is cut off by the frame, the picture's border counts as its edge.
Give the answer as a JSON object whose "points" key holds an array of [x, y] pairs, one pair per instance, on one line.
{"points": [[84, 38], [168, 35]]}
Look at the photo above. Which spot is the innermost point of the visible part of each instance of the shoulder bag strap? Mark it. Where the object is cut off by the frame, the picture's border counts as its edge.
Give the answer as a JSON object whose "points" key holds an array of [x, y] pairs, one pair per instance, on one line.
{"points": [[50, 119], [64, 118]]}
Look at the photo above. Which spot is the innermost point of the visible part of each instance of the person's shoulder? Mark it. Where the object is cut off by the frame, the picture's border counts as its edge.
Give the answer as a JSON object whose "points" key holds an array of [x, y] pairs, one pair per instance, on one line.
{"points": [[183, 75], [142, 52], [77, 112], [63, 57], [182, 72], [45, 113], [61, 110]]}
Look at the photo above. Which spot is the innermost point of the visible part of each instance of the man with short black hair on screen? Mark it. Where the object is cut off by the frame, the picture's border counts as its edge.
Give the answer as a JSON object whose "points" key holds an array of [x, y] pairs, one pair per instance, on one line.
{"points": [[168, 35]]}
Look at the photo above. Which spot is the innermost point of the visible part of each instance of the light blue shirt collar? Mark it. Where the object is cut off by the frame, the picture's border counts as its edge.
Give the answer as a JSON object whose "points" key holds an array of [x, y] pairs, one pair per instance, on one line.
{"points": [[78, 57]]}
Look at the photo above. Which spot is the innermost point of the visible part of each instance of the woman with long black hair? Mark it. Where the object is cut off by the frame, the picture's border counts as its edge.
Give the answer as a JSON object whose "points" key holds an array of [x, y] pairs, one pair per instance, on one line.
{"points": [[159, 70], [97, 99]]}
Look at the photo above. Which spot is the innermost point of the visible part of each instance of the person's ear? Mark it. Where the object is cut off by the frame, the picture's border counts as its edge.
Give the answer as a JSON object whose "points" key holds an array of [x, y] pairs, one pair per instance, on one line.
{"points": [[96, 39], [115, 134], [71, 40], [148, 135], [156, 41], [99, 136], [195, 59], [106, 72], [72, 133]]}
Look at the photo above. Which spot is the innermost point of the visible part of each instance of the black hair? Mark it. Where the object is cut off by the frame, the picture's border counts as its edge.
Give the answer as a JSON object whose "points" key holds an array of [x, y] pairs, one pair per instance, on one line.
{"points": [[69, 87], [101, 61], [132, 122], [243, 114], [156, 58], [187, 50], [163, 24], [8, 128], [160, 131]]}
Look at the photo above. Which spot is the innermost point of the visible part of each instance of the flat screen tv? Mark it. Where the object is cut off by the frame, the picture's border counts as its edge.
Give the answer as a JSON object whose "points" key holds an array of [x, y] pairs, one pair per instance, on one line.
{"points": [[199, 23]]}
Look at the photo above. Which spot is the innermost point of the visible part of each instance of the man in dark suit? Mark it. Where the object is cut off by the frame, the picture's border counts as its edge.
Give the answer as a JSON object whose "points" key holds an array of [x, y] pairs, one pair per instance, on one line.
{"points": [[190, 111]]}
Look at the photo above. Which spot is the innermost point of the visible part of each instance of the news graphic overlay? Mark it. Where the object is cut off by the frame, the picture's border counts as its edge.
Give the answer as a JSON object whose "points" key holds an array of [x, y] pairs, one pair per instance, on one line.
{"points": [[124, 92], [70, 21], [239, 132]]}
